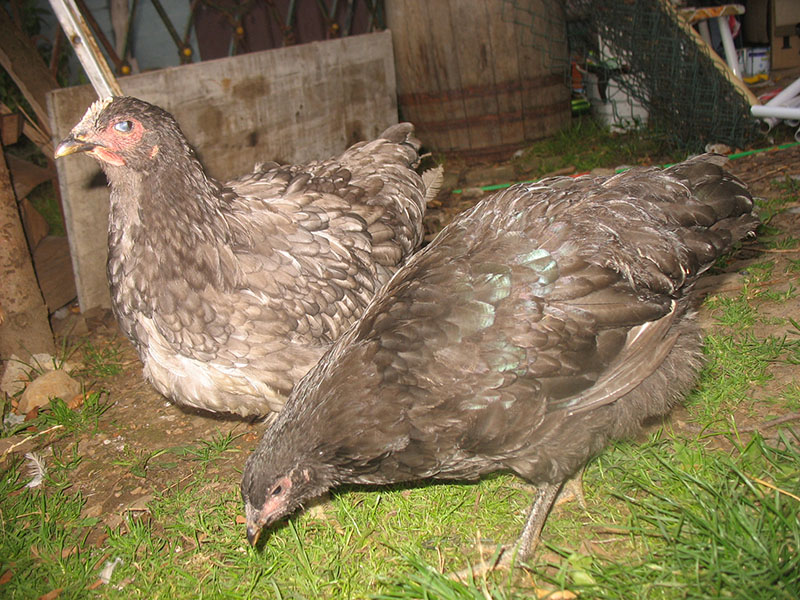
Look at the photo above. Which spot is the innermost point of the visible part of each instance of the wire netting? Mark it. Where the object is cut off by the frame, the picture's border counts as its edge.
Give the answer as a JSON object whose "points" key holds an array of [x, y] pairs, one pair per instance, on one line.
{"points": [[638, 50]]}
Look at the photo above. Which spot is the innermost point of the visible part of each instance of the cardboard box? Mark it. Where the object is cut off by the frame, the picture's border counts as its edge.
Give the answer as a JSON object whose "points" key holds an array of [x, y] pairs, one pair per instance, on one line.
{"points": [[785, 29], [785, 58], [774, 22]]}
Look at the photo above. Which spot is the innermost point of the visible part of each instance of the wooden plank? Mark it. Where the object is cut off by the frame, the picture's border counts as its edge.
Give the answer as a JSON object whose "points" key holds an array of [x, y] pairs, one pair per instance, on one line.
{"points": [[24, 327], [545, 94], [475, 60], [506, 69], [54, 270], [405, 65], [427, 77], [25, 175], [290, 104], [23, 63], [10, 128], [441, 43]]}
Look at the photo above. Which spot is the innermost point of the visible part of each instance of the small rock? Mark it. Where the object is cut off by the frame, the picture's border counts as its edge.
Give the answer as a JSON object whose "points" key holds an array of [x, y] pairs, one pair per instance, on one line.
{"points": [[15, 377], [718, 148], [55, 384]]}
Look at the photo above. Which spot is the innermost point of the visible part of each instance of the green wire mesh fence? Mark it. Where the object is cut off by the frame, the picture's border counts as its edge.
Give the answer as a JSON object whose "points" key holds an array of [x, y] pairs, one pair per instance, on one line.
{"points": [[639, 50]]}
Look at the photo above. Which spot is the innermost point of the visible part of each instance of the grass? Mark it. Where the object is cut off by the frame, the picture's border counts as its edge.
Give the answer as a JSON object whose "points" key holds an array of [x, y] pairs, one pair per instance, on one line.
{"points": [[102, 362], [587, 145], [709, 510], [209, 450], [706, 524]]}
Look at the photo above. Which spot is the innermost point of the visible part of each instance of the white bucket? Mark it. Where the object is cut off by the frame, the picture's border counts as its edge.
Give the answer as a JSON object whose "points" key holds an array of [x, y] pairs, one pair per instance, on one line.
{"points": [[620, 112]]}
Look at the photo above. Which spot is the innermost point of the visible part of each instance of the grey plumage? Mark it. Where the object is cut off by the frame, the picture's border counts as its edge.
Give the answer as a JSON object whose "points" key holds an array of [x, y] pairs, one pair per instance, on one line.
{"points": [[231, 292], [546, 320]]}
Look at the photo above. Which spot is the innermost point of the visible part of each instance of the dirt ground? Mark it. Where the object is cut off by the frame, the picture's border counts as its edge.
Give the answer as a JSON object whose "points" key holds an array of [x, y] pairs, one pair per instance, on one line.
{"points": [[140, 422]]}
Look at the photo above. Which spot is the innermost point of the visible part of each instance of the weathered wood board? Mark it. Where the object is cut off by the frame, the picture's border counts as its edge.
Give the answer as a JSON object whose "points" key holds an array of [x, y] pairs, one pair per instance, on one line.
{"points": [[480, 78], [290, 105]]}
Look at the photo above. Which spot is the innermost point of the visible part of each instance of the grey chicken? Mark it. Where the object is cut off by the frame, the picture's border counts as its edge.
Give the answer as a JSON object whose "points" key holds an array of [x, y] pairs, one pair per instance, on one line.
{"points": [[231, 292], [546, 320]]}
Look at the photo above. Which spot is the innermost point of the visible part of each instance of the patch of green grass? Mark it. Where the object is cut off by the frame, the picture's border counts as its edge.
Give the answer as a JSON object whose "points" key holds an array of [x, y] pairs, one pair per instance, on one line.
{"points": [[58, 414], [789, 399], [785, 243], [101, 362], [735, 363], [586, 145], [78, 420], [35, 367], [65, 461], [733, 311], [759, 272], [778, 296], [209, 450], [43, 534], [137, 461], [769, 207], [423, 582], [706, 524]]}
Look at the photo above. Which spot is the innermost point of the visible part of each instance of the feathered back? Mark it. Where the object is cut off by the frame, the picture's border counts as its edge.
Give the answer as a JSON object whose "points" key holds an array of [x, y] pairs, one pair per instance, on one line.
{"points": [[232, 291], [536, 325]]}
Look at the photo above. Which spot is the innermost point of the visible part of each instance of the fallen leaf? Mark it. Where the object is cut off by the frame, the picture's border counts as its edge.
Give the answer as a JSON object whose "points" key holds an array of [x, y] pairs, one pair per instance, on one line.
{"points": [[240, 520], [140, 504], [97, 583], [66, 552], [32, 414], [51, 595], [6, 577], [75, 402]]}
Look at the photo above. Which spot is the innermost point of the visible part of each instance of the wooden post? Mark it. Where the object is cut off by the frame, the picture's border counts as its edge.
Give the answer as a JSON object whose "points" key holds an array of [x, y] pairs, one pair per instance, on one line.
{"points": [[24, 326]]}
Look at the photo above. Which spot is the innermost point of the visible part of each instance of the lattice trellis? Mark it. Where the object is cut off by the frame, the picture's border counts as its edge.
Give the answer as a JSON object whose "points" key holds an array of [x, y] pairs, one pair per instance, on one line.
{"points": [[286, 17]]}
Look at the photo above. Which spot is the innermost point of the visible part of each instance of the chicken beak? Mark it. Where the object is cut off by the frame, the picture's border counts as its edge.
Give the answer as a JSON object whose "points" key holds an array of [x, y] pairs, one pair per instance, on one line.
{"points": [[73, 143], [253, 532]]}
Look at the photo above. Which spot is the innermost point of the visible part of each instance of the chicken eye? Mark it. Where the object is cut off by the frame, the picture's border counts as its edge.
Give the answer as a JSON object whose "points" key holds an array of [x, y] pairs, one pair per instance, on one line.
{"points": [[277, 490], [124, 126]]}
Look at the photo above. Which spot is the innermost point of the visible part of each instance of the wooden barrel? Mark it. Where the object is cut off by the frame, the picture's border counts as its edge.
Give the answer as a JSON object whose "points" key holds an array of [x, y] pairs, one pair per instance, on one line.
{"points": [[480, 78]]}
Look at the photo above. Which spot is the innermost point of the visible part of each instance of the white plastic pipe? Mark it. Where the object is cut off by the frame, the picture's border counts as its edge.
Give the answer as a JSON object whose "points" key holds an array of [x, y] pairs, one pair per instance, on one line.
{"points": [[775, 112], [727, 45], [794, 102], [785, 94], [784, 98], [702, 27]]}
